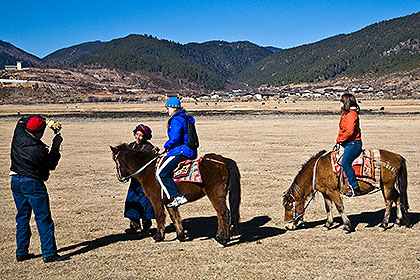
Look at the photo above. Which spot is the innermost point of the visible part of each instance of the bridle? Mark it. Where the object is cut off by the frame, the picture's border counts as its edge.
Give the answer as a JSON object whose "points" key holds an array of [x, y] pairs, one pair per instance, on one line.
{"points": [[126, 178], [296, 216]]}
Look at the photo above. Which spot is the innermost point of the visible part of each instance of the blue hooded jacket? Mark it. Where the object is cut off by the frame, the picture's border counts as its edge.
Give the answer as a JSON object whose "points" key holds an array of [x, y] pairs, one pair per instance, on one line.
{"points": [[178, 136]]}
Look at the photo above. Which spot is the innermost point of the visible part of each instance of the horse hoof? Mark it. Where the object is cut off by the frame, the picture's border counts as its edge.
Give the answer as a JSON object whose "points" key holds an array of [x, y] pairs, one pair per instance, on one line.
{"points": [[325, 228], [347, 230], [222, 240], [382, 228], [234, 231], [218, 244], [181, 237], [158, 238]]}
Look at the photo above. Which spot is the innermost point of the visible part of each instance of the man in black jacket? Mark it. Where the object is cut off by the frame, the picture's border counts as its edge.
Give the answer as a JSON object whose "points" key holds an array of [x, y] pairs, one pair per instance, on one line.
{"points": [[31, 165]]}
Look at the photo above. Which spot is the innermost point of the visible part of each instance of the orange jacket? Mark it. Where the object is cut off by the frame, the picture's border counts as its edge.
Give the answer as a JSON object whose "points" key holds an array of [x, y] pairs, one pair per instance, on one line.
{"points": [[349, 127]]}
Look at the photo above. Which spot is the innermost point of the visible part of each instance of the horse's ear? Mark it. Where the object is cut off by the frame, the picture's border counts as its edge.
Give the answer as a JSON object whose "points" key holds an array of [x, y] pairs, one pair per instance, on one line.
{"points": [[113, 149]]}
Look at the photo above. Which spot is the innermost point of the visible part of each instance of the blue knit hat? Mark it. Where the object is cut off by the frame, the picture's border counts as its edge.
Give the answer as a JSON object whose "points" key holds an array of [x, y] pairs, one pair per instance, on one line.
{"points": [[173, 102]]}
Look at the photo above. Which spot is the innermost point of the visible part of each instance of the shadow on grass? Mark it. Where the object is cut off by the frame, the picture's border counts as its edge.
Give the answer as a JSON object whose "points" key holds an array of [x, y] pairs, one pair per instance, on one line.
{"points": [[86, 246], [250, 231], [372, 219], [202, 227]]}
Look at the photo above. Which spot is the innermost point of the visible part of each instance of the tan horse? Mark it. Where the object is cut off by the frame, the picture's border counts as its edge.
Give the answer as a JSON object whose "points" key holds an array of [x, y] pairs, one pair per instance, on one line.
{"points": [[220, 177], [327, 183]]}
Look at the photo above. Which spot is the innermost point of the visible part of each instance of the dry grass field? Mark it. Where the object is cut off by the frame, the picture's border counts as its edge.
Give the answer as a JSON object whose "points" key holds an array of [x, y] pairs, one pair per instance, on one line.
{"points": [[87, 201]]}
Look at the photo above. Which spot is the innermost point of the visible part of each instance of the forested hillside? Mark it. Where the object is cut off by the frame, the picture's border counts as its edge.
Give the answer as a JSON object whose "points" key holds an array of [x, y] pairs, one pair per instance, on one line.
{"points": [[208, 65], [145, 53], [71, 54], [382, 48], [223, 58]]}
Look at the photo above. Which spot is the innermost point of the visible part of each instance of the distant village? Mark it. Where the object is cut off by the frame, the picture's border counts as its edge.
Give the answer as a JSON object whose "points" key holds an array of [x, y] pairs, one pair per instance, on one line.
{"points": [[267, 92], [65, 93]]}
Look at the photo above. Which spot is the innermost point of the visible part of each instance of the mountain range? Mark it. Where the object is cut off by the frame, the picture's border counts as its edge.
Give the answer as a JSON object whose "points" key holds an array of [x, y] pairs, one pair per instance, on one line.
{"points": [[381, 48], [71, 54]]}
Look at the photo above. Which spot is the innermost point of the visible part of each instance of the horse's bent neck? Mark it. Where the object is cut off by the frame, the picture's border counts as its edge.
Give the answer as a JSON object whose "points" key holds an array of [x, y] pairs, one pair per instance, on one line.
{"points": [[302, 186]]}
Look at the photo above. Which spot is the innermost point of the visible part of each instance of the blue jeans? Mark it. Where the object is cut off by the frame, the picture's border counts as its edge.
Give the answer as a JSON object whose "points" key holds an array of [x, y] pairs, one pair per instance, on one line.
{"points": [[137, 205], [31, 194], [351, 150], [165, 174]]}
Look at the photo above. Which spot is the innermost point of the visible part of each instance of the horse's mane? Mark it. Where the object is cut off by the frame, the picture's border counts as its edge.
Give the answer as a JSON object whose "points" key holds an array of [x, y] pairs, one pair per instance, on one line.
{"points": [[130, 151], [294, 188]]}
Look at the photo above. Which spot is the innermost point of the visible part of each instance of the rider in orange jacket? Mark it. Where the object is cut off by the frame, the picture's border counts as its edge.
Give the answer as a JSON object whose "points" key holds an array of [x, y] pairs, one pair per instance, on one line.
{"points": [[349, 127], [349, 136]]}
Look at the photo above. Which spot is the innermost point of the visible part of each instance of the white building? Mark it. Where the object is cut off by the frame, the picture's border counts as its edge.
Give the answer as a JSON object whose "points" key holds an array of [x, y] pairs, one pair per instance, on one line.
{"points": [[18, 66]]}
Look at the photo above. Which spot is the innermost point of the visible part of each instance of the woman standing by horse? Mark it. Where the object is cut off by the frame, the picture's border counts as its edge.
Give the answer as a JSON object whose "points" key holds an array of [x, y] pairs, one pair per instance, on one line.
{"points": [[178, 150], [349, 136], [219, 177], [137, 205]]}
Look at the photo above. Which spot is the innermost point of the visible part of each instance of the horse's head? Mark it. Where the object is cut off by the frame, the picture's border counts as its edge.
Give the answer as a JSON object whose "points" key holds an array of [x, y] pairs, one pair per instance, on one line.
{"points": [[301, 188], [293, 210], [119, 157]]}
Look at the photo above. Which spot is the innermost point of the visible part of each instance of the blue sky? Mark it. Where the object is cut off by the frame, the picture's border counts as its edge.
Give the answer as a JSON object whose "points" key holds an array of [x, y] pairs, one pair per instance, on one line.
{"points": [[42, 27]]}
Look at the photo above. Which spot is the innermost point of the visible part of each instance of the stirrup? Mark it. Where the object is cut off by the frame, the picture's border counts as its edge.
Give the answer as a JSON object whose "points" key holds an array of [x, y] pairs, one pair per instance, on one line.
{"points": [[353, 192]]}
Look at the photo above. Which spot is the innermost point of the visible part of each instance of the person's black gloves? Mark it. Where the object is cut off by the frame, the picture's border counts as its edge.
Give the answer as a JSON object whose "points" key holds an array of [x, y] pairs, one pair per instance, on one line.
{"points": [[56, 142]]}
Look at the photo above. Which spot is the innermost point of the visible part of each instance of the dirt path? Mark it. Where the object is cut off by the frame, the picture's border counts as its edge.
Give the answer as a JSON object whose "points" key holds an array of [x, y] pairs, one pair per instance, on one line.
{"points": [[87, 206]]}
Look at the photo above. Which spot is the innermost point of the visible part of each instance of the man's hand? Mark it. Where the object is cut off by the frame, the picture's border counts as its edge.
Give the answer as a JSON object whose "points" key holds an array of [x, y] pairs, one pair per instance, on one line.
{"points": [[55, 126], [57, 141]]}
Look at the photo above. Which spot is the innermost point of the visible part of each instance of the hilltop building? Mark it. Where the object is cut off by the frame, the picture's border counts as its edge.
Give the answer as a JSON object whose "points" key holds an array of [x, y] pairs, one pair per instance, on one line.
{"points": [[18, 66]]}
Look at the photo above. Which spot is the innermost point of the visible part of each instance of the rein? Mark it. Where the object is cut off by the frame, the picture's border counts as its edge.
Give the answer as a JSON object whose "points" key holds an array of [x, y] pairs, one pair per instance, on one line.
{"points": [[314, 191], [126, 178]]}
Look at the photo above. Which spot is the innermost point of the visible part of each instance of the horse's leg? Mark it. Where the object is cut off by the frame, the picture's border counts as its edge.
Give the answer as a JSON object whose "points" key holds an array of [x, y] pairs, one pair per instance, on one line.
{"points": [[330, 218], [400, 211], [157, 205], [390, 195], [223, 217], [176, 219], [384, 224], [335, 196]]}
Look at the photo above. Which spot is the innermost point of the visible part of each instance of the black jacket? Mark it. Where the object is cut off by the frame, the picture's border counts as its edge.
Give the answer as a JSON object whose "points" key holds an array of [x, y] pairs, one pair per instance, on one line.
{"points": [[30, 156], [146, 147]]}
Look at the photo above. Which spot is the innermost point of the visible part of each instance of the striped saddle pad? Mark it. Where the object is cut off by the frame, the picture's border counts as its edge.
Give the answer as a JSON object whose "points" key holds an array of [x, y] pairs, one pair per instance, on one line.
{"points": [[186, 171], [366, 166]]}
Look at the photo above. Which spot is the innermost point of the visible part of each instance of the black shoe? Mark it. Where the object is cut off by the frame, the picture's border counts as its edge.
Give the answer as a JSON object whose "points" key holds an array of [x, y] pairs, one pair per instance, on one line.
{"points": [[27, 256], [134, 227], [131, 230], [55, 258], [146, 225], [353, 192]]}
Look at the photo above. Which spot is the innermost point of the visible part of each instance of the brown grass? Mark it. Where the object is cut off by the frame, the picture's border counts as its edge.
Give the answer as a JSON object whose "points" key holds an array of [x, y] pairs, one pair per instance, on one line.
{"points": [[87, 205]]}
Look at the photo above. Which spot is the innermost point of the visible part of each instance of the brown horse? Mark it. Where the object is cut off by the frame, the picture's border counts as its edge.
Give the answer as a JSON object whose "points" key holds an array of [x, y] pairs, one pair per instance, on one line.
{"points": [[327, 183], [220, 176]]}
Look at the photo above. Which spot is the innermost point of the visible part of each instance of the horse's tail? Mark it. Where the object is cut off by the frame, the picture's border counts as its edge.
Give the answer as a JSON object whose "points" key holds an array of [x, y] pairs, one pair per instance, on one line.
{"points": [[402, 187], [234, 187]]}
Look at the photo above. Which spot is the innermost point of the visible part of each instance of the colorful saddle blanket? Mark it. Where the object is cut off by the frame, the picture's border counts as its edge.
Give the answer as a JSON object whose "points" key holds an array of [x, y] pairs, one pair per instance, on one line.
{"points": [[186, 171], [366, 166]]}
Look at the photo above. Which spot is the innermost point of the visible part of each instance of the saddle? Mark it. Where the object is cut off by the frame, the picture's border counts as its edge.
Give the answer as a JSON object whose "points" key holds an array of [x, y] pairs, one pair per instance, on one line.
{"points": [[186, 171], [366, 166]]}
